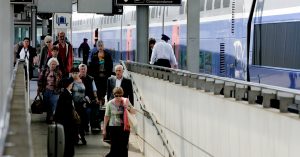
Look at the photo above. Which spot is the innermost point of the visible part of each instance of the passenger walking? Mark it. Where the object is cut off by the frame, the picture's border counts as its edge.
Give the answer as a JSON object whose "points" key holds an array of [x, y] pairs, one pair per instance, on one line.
{"points": [[163, 54], [65, 53], [90, 92], [152, 42], [64, 116], [46, 53], [27, 53], [48, 84], [92, 53], [115, 119], [78, 92], [85, 49], [120, 81], [54, 54], [101, 69]]}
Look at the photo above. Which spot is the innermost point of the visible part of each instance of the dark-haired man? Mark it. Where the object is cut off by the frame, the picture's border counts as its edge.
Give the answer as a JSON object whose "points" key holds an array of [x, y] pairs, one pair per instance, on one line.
{"points": [[27, 53], [85, 49]]}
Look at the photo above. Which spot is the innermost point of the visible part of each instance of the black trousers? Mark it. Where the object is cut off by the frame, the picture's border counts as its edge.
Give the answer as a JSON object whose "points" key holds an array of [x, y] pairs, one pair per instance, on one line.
{"points": [[163, 62], [119, 142]]}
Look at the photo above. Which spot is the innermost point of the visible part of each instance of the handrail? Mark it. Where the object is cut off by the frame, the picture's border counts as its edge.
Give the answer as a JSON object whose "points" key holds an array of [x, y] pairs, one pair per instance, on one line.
{"points": [[253, 84], [5, 117], [289, 99], [150, 115], [18, 139]]}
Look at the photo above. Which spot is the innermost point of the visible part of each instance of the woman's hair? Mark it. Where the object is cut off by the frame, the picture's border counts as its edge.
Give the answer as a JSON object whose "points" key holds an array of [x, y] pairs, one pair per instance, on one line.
{"points": [[47, 38], [99, 42], [74, 69], [118, 91], [51, 60]]}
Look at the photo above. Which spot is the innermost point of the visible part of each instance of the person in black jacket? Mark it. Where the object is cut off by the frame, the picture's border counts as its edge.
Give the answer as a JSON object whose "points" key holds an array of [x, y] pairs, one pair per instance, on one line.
{"points": [[92, 106], [27, 52], [101, 69], [120, 81], [64, 116], [85, 48]]}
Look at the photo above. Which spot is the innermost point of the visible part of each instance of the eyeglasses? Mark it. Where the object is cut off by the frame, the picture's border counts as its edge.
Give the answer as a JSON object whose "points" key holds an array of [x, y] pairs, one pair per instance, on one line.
{"points": [[117, 95], [48, 41]]}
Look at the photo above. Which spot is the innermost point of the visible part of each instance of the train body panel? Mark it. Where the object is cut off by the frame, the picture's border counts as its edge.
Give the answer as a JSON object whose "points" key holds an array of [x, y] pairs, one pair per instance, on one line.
{"points": [[223, 39]]}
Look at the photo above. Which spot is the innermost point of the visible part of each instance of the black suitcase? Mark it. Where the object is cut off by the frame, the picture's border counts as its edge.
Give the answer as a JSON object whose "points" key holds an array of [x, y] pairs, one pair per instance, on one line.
{"points": [[56, 140]]}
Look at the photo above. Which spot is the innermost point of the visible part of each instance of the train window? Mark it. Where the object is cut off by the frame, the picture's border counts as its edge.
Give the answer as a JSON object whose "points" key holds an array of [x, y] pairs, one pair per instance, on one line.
{"points": [[202, 5], [276, 45], [167, 11], [181, 9], [226, 3], [152, 12], [217, 4], [209, 4]]}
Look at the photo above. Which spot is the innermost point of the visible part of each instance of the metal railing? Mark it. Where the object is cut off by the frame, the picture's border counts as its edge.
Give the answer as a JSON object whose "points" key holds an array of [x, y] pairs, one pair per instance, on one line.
{"points": [[15, 138], [289, 99], [150, 116], [5, 111]]}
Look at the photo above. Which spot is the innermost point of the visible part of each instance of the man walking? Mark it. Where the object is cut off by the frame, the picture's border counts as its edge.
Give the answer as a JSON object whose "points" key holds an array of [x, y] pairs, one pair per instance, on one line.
{"points": [[84, 48], [120, 81], [163, 54]]}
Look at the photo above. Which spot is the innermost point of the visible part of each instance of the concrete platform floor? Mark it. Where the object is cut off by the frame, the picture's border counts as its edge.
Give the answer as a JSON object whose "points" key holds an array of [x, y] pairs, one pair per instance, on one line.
{"points": [[95, 146]]}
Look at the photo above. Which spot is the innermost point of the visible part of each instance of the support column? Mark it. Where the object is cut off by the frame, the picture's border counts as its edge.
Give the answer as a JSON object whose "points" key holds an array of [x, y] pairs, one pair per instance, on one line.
{"points": [[142, 31], [33, 25], [45, 26], [193, 35], [6, 47]]}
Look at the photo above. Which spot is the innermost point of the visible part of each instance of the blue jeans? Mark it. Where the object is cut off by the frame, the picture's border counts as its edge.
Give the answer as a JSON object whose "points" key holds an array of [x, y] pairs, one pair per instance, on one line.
{"points": [[50, 100]]}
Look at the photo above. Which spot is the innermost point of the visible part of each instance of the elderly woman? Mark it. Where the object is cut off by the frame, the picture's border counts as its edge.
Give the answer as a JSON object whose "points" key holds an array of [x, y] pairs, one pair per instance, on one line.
{"points": [[46, 53], [49, 84], [101, 68], [78, 92], [119, 135]]}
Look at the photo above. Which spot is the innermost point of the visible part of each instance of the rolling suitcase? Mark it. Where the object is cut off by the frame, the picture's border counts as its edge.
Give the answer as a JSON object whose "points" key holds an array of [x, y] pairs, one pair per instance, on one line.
{"points": [[56, 140]]}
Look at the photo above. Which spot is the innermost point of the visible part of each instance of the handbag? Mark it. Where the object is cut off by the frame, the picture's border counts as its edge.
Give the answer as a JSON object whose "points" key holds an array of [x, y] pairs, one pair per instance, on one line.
{"points": [[37, 106], [132, 121], [76, 117]]}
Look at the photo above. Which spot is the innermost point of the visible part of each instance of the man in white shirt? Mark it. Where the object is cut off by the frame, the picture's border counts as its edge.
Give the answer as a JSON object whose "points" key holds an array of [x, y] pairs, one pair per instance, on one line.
{"points": [[163, 54], [27, 52]]}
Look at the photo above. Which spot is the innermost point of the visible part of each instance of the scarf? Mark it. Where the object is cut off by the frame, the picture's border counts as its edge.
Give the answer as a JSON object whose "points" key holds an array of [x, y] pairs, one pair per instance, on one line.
{"points": [[125, 118]]}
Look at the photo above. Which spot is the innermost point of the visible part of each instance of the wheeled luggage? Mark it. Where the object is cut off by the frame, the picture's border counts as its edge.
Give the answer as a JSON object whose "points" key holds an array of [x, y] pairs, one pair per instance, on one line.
{"points": [[56, 140]]}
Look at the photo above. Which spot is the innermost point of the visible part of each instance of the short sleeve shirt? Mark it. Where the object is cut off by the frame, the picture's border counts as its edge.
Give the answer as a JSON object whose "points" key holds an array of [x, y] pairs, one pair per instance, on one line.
{"points": [[115, 113]]}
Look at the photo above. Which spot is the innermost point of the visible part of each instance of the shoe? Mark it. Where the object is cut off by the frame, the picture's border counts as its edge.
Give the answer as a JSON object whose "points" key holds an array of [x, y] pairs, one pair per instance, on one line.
{"points": [[83, 141]]}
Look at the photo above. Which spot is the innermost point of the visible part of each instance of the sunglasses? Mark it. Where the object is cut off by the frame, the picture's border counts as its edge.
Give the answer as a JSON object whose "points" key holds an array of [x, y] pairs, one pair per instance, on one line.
{"points": [[48, 41], [117, 95]]}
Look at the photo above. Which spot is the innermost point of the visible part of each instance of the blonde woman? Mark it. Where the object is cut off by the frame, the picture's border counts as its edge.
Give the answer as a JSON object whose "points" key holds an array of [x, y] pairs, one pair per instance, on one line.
{"points": [[118, 125], [46, 52]]}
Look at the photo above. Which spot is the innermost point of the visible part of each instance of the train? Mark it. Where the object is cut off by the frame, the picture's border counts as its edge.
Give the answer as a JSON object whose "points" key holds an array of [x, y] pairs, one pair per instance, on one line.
{"points": [[273, 45]]}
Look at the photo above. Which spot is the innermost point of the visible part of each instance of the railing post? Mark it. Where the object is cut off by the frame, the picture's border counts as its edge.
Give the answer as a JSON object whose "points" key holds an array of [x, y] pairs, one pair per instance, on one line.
{"points": [[228, 88], [178, 78], [297, 101], [166, 75], [184, 79], [285, 100], [209, 87], [218, 85], [192, 81], [240, 91], [253, 93], [267, 96], [201, 83]]}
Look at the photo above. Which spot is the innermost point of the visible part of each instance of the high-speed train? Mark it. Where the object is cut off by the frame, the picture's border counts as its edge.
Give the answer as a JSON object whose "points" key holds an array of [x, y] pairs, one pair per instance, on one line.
{"points": [[273, 58]]}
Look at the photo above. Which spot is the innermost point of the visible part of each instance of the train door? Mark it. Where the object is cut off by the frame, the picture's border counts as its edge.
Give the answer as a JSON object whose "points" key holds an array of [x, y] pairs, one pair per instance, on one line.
{"points": [[21, 32]]}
